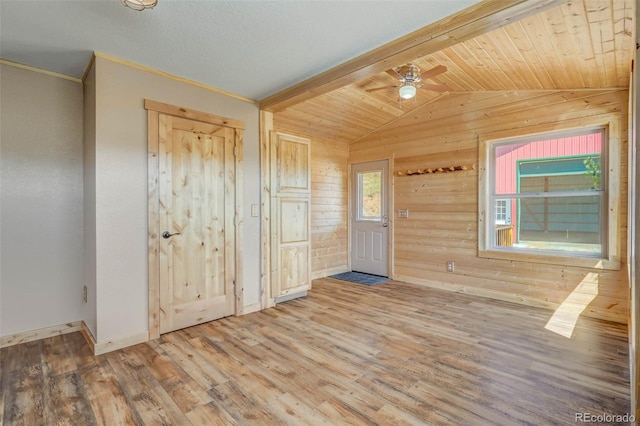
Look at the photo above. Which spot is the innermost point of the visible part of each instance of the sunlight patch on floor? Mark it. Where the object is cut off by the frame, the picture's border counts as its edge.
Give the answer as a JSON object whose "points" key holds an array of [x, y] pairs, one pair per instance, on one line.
{"points": [[564, 319]]}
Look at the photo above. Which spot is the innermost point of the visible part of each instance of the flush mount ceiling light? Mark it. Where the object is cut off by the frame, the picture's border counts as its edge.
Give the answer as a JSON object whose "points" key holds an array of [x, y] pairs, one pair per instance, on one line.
{"points": [[139, 5]]}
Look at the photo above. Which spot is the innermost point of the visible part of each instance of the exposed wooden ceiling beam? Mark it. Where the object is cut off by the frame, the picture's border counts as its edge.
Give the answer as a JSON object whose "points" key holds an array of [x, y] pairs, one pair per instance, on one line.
{"points": [[478, 19]]}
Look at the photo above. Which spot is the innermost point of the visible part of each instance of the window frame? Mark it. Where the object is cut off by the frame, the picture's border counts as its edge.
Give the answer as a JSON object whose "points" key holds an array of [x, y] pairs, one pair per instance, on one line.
{"points": [[360, 217], [611, 151]]}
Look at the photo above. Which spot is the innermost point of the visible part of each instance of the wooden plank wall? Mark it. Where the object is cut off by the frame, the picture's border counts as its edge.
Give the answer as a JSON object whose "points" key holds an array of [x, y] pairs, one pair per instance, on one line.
{"points": [[329, 205], [443, 208]]}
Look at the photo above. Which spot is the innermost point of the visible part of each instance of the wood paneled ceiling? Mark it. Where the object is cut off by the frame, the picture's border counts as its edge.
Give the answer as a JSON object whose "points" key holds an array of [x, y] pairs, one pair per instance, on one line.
{"points": [[577, 45]]}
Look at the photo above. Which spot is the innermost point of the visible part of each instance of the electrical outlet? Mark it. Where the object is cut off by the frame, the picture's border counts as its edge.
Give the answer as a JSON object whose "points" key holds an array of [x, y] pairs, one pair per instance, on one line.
{"points": [[450, 266], [84, 294], [403, 213]]}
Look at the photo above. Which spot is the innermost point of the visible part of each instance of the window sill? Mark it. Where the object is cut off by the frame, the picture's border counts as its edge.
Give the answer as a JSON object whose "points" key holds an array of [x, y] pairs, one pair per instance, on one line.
{"points": [[575, 261]]}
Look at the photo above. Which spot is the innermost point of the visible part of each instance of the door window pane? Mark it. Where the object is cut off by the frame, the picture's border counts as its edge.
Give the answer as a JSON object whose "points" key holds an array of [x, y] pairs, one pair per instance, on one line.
{"points": [[370, 195]]}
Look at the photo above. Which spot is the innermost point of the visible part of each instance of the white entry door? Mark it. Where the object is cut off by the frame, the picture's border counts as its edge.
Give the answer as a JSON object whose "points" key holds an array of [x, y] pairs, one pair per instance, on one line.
{"points": [[369, 218]]}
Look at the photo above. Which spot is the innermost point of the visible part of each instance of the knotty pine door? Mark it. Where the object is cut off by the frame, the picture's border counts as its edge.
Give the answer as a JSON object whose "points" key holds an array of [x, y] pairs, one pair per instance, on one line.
{"points": [[196, 199], [290, 214]]}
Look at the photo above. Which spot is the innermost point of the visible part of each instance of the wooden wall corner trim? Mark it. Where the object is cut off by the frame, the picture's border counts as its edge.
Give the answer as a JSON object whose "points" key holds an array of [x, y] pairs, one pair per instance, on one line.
{"points": [[40, 71], [88, 337], [88, 68]]}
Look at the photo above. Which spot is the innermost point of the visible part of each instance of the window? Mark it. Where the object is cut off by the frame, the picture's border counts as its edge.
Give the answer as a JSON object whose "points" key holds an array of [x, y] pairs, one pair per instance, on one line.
{"points": [[370, 195], [503, 212], [551, 196], [561, 202]]}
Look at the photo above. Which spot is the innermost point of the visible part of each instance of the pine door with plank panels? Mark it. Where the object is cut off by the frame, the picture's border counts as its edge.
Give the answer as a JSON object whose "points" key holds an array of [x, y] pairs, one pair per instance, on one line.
{"points": [[196, 197], [291, 214]]}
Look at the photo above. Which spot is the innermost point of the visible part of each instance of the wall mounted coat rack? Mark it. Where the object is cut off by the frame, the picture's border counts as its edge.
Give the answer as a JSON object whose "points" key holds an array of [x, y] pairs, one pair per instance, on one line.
{"points": [[431, 170]]}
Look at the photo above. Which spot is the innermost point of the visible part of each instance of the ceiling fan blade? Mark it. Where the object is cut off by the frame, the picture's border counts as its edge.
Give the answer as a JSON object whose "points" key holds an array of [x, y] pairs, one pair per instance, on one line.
{"points": [[435, 87], [433, 72], [393, 73], [380, 88]]}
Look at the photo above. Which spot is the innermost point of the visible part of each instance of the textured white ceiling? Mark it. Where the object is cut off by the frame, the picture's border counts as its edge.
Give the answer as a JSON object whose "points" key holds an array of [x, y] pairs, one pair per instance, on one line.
{"points": [[251, 48]]}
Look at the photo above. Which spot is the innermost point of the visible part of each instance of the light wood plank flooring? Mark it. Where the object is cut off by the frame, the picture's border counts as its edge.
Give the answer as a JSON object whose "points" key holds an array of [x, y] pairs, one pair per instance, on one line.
{"points": [[346, 354]]}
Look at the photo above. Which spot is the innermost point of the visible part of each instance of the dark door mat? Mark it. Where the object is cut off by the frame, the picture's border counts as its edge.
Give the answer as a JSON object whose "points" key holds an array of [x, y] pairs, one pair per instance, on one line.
{"points": [[360, 278]]}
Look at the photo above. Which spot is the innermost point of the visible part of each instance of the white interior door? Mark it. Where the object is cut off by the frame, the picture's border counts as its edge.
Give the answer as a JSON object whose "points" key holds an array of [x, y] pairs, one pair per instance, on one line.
{"points": [[369, 218]]}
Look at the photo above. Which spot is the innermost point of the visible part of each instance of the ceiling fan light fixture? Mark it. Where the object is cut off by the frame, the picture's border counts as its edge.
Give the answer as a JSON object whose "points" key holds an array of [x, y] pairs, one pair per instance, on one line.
{"points": [[139, 5], [407, 90]]}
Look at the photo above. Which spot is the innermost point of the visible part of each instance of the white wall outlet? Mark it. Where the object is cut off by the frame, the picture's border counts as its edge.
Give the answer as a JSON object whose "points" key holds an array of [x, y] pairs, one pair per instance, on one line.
{"points": [[403, 213], [450, 266]]}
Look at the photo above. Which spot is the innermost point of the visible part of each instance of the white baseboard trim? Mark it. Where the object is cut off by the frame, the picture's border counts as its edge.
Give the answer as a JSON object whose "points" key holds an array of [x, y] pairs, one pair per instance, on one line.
{"points": [[42, 333]]}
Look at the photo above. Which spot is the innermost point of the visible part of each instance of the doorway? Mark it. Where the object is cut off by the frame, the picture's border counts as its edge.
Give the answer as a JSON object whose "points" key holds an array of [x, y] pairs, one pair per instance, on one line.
{"points": [[193, 217], [370, 218]]}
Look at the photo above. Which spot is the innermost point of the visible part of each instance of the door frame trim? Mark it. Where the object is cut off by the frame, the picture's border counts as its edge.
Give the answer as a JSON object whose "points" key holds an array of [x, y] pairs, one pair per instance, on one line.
{"points": [[267, 299], [266, 126], [154, 109]]}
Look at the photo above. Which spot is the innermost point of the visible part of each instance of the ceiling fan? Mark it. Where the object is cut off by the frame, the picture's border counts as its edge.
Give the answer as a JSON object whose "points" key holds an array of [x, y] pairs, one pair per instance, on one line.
{"points": [[410, 78]]}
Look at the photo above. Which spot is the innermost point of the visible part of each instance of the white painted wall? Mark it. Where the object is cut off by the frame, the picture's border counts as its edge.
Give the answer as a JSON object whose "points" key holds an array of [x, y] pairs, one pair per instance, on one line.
{"points": [[121, 189], [41, 201]]}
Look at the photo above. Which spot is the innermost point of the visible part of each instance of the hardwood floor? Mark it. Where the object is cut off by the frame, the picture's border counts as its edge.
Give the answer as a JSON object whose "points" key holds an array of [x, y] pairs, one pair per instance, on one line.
{"points": [[346, 354]]}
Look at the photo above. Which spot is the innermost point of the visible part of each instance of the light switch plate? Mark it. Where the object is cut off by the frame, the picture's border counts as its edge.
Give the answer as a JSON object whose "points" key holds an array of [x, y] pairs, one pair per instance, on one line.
{"points": [[255, 210], [403, 213]]}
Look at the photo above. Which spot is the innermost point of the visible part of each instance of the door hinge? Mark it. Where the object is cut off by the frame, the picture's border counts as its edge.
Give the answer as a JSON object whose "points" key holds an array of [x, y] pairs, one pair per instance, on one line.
{"points": [[235, 150]]}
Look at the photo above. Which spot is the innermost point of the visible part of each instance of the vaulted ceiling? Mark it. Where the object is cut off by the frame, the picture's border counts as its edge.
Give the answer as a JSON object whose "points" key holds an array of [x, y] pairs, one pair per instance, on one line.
{"points": [[249, 48], [254, 49], [576, 45]]}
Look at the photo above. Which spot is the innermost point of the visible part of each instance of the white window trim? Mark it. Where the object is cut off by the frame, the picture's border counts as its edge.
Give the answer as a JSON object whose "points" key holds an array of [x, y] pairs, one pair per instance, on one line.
{"points": [[613, 123]]}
